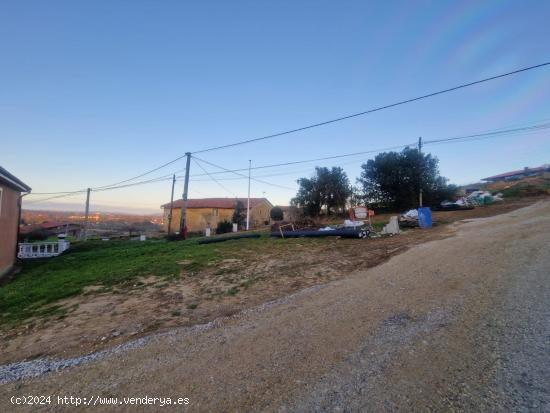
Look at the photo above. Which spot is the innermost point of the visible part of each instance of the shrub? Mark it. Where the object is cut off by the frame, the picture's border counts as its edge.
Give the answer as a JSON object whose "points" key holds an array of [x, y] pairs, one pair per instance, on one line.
{"points": [[239, 215], [224, 227], [35, 235], [173, 237], [276, 213]]}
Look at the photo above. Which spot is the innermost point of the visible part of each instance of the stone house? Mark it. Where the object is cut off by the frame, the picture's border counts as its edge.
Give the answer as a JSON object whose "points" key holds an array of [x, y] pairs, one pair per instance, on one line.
{"points": [[207, 212]]}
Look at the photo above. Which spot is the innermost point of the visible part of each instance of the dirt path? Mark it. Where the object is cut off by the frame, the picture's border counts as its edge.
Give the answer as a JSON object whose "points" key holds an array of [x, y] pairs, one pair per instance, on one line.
{"points": [[456, 324]]}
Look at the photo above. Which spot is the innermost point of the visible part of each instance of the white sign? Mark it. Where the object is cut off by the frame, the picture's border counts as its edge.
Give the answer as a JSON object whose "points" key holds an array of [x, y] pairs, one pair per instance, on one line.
{"points": [[361, 212]]}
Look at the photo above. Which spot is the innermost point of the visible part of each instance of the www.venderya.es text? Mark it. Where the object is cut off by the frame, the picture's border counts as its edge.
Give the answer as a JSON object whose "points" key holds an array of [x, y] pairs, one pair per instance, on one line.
{"points": [[95, 400]]}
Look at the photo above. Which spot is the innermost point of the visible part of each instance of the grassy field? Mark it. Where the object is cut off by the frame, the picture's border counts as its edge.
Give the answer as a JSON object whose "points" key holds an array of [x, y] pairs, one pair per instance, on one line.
{"points": [[527, 187], [116, 266], [96, 263], [120, 264], [100, 294]]}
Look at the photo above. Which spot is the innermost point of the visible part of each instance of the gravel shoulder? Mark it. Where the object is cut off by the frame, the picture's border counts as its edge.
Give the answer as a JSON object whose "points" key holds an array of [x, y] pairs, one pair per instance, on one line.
{"points": [[458, 324]]}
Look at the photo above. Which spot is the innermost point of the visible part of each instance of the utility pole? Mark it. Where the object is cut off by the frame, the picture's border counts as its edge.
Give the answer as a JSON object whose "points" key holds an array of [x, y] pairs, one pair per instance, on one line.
{"points": [[171, 204], [86, 214], [420, 176], [248, 201], [183, 218]]}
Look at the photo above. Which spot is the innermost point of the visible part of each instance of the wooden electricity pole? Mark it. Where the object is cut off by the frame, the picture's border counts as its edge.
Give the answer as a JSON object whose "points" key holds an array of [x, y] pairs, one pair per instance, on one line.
{"points": [[171, 204], [248, 201], [420, 175], [183, 218]]}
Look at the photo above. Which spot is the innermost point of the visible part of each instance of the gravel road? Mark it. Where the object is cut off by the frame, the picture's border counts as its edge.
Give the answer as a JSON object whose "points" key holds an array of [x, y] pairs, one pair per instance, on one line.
{"points": [[460, 324]]}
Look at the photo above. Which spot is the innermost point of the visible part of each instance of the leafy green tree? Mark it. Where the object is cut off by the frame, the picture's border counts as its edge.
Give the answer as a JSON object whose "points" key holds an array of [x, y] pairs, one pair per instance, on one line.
{"points": [[276, 213], [394, 179], [328, 188], [224, 227], [239, 215]]}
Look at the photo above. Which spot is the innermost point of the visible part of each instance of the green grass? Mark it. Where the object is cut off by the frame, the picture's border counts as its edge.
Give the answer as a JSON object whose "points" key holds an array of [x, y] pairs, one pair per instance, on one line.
{"points": [[377, 226], [114, 263], [522, 189], [232, 291], [114, 266]]}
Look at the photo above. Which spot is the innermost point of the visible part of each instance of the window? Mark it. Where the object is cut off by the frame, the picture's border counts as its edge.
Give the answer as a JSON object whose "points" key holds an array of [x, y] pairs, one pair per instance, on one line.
{"points": [[215, 212]]}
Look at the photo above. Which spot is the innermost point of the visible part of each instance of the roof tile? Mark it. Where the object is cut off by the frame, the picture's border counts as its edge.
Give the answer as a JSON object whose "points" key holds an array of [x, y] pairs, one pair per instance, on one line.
{"points": [[227, 203]]}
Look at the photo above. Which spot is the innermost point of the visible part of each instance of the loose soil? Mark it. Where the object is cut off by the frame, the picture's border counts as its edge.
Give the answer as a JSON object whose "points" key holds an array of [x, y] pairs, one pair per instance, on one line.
{"points": [[99, 318], [456, 324]]}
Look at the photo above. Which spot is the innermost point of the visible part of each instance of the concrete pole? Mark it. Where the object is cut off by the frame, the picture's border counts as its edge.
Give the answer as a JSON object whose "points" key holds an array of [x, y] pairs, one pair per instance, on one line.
{"points": [[171, 204], [420, 178], [183, 218], [86, 214], [248, 201]]}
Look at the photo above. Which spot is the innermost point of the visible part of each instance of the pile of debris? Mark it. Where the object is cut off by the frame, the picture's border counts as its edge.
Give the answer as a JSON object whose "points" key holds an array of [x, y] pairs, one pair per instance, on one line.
{"points": [[476, 198], [392, 227], [421, 217], [483, 198], [349, 229], [409, 219], [460, 203]]}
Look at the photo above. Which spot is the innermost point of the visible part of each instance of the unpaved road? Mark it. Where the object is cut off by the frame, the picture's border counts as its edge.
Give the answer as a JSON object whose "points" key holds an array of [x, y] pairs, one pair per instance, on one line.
{"points": [[460, 324]]}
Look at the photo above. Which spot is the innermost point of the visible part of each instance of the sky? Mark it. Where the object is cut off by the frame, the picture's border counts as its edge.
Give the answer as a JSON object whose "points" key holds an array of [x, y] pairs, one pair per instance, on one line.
{"points": [[97, 92]]}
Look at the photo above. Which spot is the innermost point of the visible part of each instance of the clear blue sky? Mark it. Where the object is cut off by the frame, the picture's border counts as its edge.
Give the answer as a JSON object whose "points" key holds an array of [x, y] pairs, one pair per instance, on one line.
{"points": [[99, 91]]}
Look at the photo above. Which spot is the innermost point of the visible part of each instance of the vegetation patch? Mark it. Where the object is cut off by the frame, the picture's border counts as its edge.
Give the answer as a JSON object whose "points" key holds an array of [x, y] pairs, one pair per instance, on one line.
{"points": [[232, 291], [524, 189], [94, 263]]}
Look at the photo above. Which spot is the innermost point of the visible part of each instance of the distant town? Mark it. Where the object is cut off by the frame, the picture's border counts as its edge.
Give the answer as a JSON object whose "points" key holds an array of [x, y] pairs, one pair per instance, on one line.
{"points": [[31, 217]]}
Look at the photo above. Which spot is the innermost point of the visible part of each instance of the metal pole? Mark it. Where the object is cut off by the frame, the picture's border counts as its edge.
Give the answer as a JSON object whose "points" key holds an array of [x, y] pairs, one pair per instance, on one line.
{"points": [[183, 218], [171, 204], [248, 201], [420, 176], [86, 213]]}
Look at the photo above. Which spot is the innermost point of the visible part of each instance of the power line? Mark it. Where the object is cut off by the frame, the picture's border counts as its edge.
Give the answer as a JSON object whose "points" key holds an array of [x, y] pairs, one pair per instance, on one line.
{"points": [[236, 173], [57, 193], [200, 193], [376, 109], [148, 181], [464, 138], [67, 194], [212, 178], [490, 134], [35, 201], [143, 174], [100, 189], [467, 138], [325, 158], [270, 175]]}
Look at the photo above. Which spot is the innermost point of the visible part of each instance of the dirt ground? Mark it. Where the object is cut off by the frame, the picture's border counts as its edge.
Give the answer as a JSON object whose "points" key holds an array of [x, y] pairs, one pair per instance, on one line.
{"points": [[97, 320], [458, 324]]}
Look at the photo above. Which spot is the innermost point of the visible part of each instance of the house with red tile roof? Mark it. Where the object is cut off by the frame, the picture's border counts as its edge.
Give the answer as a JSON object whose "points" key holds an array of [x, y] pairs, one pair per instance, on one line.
{"points": [[519, 174], [205, 213]]}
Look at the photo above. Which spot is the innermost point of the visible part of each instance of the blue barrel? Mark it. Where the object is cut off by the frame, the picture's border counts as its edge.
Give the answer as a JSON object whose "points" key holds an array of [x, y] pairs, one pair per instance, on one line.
{"points": [[424, 217]]}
